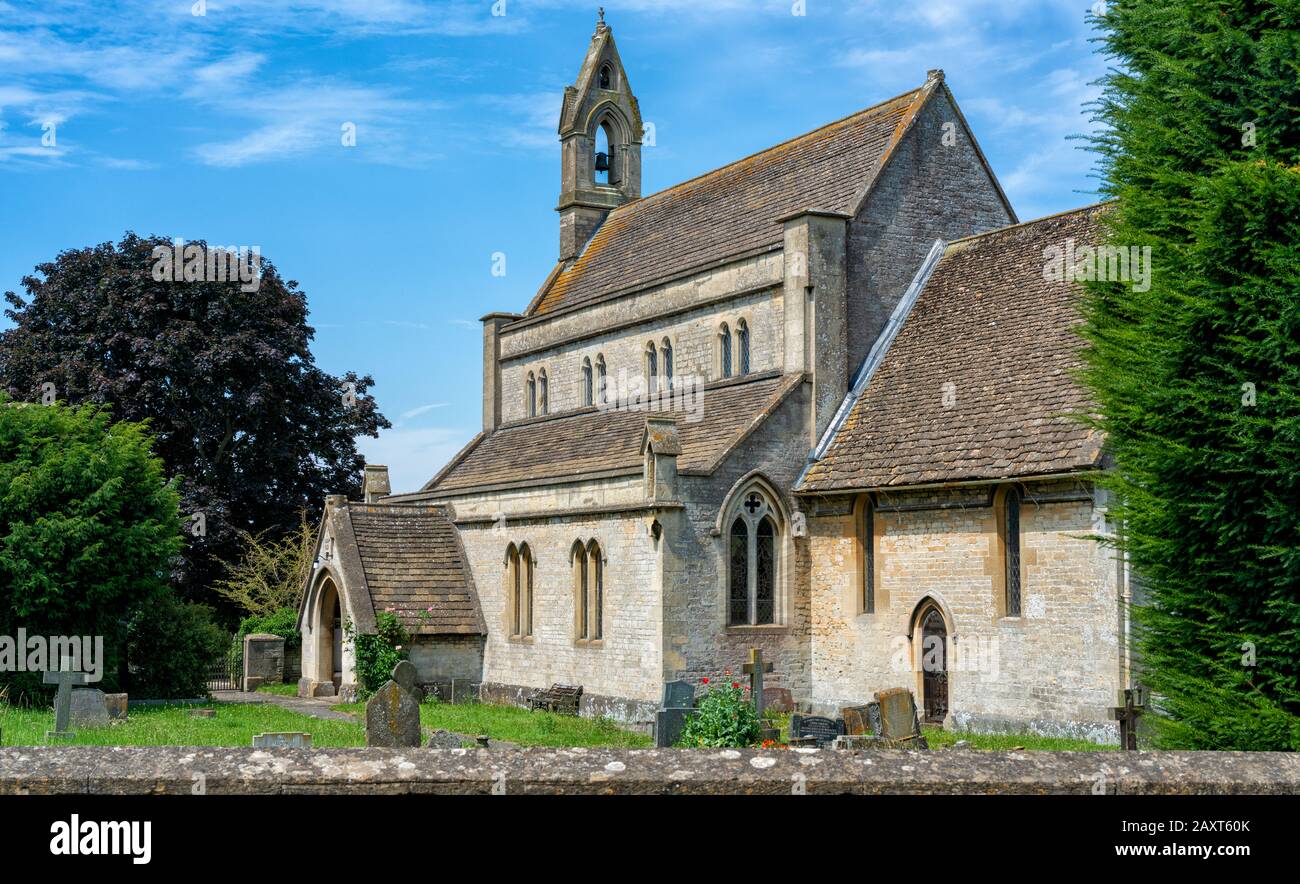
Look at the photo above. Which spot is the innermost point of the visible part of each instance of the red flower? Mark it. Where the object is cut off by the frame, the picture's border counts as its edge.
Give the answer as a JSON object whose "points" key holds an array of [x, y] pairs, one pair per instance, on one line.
{"points": [[704, 681], [735, 684]]}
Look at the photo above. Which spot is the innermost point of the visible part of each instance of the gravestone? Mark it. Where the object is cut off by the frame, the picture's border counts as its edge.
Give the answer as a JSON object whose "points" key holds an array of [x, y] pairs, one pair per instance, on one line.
{"points": [[286, 740], [778, 699], [203, 713], [755, 669], [65, 678], [814, 730], [393, 713], [88, 708], [1132, 705], [117, 706], [442, 739], [263, 660], [678, 705], [900, 727], [862, 720], [406, 675]]}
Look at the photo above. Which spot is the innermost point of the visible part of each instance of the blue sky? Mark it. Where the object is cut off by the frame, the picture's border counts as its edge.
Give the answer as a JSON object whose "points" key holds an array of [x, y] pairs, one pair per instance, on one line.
{"points": [[226, 126]]}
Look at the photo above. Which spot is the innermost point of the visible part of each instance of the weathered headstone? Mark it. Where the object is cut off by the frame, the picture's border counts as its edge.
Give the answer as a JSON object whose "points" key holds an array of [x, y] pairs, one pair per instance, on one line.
{"points": [[88, 708], [65, 678], [442, 739], [286, 740], [393, 713], [778, 699], [900, 727], [203, 713], [405, 674], [678, 705], [862, 720], [117, 706], [814, 730]]}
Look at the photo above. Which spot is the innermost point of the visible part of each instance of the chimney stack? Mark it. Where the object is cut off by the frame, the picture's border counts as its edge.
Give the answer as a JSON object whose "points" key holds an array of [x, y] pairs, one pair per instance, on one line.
{"points": [[376, 482]]}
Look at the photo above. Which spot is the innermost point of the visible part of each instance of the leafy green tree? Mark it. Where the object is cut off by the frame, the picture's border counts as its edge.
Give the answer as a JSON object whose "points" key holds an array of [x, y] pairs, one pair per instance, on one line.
{"points": [[223, 371], [1197, 380], [89, 526]]}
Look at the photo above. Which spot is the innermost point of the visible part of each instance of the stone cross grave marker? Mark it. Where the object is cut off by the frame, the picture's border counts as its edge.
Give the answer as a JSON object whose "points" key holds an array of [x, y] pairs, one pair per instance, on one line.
{"points": [[755, 669], [287, 740], [65, 678], [678, 704], [1132, 705]]}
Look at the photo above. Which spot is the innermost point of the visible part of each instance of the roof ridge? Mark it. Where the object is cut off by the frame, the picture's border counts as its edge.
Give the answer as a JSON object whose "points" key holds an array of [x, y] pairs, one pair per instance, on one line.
{"points": [[1009, 227], [758, 153]]}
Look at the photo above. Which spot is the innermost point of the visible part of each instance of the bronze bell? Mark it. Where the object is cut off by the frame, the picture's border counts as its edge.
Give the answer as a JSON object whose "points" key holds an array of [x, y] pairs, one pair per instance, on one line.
{"points": [[602, 162]]}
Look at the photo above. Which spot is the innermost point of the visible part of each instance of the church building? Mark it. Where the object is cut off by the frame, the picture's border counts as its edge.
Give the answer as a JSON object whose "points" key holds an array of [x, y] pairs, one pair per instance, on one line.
{"points": [[819, 401]]}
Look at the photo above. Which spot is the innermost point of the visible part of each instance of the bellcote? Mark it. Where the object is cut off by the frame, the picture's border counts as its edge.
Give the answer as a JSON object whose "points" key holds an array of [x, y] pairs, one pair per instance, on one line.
{"points": [[600, 139]]}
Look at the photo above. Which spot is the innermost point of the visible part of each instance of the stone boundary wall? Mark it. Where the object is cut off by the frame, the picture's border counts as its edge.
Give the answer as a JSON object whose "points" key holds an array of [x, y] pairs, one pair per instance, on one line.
{"points": [[131, 770]]}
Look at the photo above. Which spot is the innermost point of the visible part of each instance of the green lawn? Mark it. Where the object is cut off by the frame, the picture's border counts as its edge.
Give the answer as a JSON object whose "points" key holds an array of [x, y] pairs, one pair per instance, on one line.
{"points": [[522, 726], [234, 725], [941, 739], [283, 690]]}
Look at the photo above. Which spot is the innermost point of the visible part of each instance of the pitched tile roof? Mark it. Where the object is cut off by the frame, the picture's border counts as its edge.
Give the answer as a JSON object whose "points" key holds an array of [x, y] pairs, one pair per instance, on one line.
{"points": [[734, 210], [990, 324], [602, 441], [413, 563]]}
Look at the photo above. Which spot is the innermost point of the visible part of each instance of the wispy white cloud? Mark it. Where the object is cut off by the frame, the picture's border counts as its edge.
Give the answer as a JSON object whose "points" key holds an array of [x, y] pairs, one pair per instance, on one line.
{"points": [[413, 456]]}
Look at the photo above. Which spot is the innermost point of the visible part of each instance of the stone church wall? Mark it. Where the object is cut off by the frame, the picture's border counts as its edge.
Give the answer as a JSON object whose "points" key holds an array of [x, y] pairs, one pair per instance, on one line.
{"points": [[625, 665], [699, 643], [635, 321], [1054, 670], [927, 191]]}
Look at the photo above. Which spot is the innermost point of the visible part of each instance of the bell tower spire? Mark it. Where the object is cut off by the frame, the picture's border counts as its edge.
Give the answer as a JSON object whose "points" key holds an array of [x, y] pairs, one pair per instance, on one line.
{"points": [[600, 143]]}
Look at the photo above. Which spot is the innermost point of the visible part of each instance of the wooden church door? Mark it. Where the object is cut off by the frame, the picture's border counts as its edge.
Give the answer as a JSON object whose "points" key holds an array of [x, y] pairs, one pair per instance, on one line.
{"points": [[934, 665]]}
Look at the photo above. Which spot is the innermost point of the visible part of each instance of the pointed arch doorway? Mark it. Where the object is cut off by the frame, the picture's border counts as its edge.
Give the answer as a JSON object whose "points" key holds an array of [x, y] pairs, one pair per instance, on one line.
{"points": [[933, 629]]}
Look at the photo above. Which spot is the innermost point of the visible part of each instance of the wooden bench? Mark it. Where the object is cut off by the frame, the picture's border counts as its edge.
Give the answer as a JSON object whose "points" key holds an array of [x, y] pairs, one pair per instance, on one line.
{"points": [[559, 698]]}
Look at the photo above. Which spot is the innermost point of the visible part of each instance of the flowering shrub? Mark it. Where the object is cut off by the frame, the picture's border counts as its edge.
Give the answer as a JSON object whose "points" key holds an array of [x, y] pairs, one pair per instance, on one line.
{"points": [[377, 654], [724, 718]]}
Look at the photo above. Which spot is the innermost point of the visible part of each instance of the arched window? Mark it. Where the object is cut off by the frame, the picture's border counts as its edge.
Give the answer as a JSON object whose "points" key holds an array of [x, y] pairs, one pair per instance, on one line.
{"points": [[1010, 529], [603, 164], [586, 382], [667, 352], [651, 369], [602, 388], [606, 77], [724, 351], [519, 584], [589, 591], [868, 541], [543, 393], [532, 395], [742, 343], [753, 562]]}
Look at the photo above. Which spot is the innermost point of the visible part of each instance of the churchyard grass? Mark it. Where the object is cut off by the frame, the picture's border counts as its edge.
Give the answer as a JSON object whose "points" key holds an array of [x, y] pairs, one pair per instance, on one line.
{"points": [[283, 690], [233, 725], [941, 739], [523, 726]]}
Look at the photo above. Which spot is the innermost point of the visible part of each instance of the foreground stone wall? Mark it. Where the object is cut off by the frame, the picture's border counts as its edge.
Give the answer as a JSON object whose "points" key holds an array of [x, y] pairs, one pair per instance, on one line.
{"points": [[179, 770]]}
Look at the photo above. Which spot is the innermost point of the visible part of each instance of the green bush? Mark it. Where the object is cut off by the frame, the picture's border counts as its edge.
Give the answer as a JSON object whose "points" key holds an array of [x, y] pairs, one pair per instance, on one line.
{"points": [[171, 645], [378, 653], [724, 718], [282, 622], [1195, 378], [89, 528]]}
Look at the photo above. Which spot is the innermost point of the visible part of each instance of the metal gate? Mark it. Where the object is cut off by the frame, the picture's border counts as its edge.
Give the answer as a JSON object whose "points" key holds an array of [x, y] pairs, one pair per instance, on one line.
{"points": [[223, 675]]}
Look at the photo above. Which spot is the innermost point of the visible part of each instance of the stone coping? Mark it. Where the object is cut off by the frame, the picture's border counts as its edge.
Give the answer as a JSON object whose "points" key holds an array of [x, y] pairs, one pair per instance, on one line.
{"points": [[176, 770]]}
